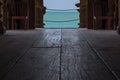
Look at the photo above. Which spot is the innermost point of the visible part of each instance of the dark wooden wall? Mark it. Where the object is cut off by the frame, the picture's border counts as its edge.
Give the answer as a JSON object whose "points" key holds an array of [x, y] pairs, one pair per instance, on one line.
{"points": [[19, 8], [119, 13], [35, 10], [102, 8], [39, 13], [90, 16], [31, 13]]}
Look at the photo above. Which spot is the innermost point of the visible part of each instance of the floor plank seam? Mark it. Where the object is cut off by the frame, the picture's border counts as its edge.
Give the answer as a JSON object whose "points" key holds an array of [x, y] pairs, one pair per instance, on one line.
{"points": [[71, 59], [45, 47], [33, 43], [13, 64], [60, 68], [104, 62]]}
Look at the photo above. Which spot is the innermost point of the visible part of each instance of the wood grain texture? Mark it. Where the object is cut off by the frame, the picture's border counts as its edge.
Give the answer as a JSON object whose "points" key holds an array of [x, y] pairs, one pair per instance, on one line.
{"points": [[79, 61], [59, 54], [37, 64], [107, 45], [49, 38], [13, 46]]}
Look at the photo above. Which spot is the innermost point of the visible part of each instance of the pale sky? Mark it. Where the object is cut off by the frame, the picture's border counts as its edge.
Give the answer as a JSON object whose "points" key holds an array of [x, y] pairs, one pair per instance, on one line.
{"points": [[61, 4]]}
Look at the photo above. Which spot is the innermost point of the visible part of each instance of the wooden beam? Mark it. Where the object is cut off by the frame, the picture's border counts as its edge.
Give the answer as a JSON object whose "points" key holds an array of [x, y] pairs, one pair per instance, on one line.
{"points": [[31, 13]]}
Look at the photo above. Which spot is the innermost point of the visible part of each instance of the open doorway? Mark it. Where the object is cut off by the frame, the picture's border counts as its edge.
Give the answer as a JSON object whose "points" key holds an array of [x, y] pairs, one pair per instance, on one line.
{"points": [[61, 14]]}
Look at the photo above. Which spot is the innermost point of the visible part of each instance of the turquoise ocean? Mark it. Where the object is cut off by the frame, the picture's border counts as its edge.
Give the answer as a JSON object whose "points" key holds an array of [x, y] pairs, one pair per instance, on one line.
{"points": [[61, 19]]}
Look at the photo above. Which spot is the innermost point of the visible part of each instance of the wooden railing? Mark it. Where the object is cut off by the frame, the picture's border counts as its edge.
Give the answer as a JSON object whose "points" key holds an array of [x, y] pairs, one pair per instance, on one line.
{"points": [[107, 18], [25, 18]]}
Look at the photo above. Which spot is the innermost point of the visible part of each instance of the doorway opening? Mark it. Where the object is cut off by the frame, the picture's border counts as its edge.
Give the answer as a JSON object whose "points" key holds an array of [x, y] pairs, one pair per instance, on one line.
{"points": [[61, 14]]}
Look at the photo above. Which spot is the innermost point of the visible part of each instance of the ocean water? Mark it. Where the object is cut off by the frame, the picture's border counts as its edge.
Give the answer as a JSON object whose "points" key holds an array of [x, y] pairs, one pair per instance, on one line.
{"points": [[61, 20]]}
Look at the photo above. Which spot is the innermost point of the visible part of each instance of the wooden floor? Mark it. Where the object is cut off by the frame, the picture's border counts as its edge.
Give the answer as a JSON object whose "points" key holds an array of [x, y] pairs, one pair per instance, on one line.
{"points": [[60, 54]]}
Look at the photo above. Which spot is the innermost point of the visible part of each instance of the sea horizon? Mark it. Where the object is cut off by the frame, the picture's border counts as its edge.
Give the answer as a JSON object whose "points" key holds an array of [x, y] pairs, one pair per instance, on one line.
{"points": [[61, 19]]}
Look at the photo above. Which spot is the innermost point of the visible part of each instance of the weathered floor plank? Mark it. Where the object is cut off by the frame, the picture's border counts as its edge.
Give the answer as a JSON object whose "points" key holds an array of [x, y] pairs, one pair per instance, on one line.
{"points": [[49, 38], [14, 45], [59, 54], [71, 37], [37, 64], [107, 45], [80, 62], [83, 66]]}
